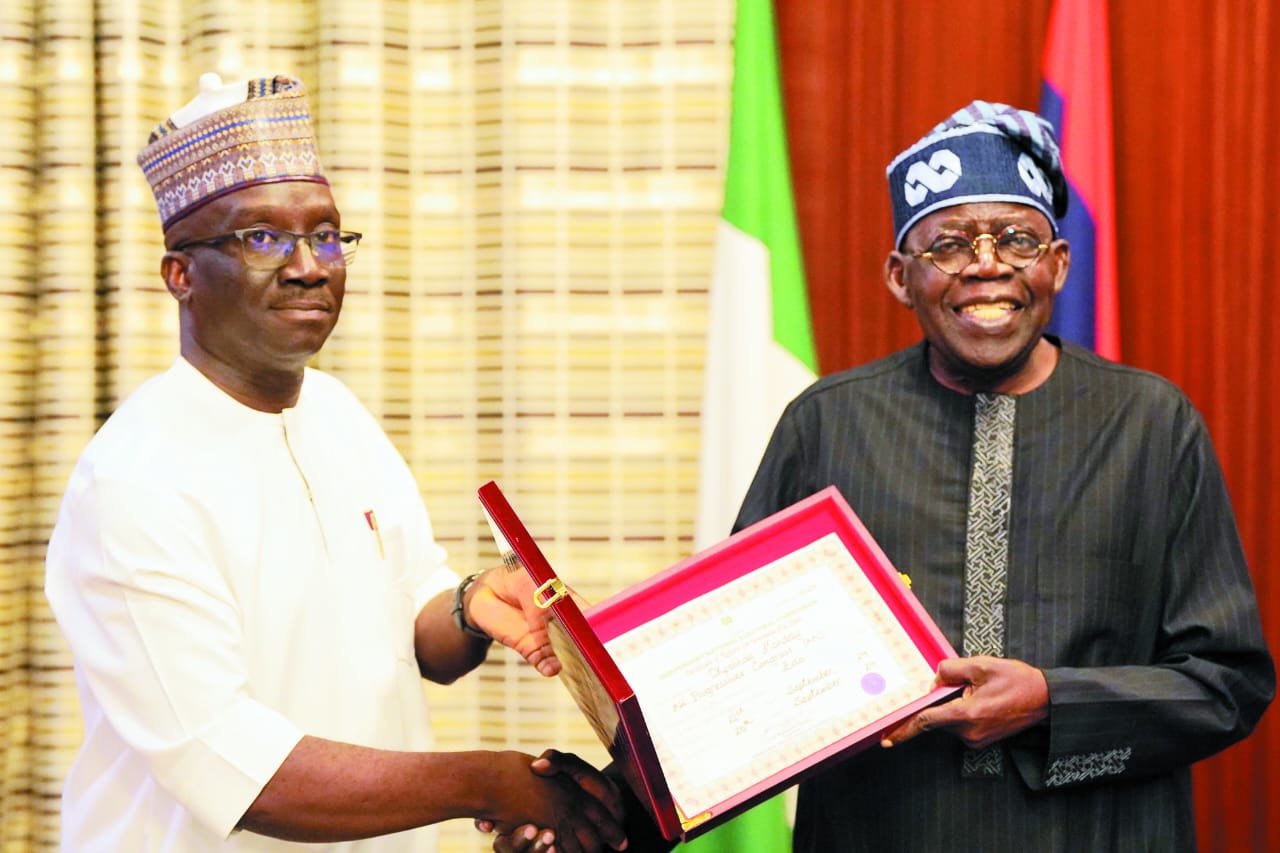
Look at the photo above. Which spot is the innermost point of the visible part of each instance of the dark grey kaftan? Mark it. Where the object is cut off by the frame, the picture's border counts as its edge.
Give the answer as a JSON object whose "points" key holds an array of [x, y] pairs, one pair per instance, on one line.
{"points": [[1126, 582]]}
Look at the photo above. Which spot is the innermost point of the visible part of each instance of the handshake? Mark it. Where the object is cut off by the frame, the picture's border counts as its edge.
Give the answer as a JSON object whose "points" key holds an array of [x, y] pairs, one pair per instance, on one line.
{"points": [[587, 812]]}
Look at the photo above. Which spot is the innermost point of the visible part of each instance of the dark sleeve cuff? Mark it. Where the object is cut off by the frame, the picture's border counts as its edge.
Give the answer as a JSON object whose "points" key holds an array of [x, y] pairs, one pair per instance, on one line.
{"points": [[642, 832]]}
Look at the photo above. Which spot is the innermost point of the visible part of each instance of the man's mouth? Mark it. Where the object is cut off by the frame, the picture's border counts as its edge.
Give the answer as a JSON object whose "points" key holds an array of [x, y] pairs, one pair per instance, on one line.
{"points": [[987, 312], [303, 306]]}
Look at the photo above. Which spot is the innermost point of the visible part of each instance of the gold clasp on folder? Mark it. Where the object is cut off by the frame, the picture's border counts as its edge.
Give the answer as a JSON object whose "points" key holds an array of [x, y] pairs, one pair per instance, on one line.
{"points": [[549, 593], [688, 823]]}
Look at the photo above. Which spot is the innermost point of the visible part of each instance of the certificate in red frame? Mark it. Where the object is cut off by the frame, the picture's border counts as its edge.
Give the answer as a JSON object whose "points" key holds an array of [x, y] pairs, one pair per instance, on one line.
{"points": [[754, 662]]}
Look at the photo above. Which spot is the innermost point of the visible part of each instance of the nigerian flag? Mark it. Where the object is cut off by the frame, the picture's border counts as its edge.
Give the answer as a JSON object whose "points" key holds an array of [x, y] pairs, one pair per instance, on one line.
{"points": [[760, 350]]}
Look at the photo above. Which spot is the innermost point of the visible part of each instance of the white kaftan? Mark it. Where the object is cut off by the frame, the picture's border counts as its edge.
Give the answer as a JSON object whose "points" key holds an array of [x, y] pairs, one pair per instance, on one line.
{"points": [[219, 577]]}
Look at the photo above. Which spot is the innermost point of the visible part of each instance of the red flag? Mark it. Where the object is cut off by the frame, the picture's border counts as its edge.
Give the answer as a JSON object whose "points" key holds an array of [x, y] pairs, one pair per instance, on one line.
{"points": [[1076, 97]]}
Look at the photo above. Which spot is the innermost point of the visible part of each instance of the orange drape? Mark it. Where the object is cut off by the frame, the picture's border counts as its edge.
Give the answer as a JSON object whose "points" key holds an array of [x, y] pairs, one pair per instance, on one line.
{"points": [[1197, 144]]}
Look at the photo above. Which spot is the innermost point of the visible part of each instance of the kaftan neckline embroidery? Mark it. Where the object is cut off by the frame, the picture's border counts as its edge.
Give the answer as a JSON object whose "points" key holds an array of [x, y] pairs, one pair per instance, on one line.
{"points": [[986, 559], [284, 431]]}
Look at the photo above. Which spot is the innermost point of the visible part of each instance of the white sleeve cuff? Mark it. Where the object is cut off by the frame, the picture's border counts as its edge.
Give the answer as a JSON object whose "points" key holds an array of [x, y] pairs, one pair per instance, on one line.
{"points": [[225, 768]]}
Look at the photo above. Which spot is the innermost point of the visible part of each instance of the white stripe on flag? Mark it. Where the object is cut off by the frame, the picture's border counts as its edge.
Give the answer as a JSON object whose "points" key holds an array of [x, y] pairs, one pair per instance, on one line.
{"points": [[749, 380]]}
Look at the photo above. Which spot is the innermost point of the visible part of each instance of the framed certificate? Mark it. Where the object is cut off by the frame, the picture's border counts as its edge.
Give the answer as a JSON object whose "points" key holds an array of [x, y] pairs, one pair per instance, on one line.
{"points": [[734, 673]]}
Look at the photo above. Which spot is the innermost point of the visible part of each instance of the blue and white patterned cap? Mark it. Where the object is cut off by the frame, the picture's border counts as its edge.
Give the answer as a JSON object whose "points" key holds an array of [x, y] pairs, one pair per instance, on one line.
{"points": [[983, 152]]}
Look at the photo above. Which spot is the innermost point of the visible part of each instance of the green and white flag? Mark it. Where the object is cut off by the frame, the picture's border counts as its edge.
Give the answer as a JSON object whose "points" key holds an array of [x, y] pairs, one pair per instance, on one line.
{"points": [[760, 350]]}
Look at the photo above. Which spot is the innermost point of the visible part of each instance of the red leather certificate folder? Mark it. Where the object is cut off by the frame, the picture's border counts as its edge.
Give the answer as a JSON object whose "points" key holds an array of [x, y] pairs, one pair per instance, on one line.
{"points": [[731, 675]]}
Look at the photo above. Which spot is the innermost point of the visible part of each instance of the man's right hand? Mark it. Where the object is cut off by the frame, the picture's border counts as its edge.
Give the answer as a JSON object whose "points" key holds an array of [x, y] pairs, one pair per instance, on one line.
{"points": [[526, 839], [566, 796], [1001, 698]]}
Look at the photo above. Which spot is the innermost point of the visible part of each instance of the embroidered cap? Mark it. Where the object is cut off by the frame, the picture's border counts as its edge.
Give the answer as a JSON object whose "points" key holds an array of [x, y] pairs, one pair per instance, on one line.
{"points": [[229, 137], [983, 152]]}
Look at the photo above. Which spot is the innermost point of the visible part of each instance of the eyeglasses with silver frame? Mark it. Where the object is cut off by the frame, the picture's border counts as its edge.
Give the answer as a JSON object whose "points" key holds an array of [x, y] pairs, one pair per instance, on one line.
{"points": [[951, 253], [269, 249]]}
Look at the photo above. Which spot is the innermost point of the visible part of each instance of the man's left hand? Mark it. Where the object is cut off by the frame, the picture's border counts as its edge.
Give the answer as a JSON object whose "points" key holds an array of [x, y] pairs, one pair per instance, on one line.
{"points": [[1001, 698], [500, 603]]}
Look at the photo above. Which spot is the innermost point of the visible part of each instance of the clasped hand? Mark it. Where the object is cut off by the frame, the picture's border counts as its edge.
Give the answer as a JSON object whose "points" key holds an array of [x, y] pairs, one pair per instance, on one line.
{"points": [[593, 820]]}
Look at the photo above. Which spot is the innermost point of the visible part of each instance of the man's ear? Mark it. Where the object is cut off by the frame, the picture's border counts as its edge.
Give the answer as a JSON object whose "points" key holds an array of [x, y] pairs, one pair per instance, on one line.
{"points": [[894, 267], [1061, 251], [173, 269]]}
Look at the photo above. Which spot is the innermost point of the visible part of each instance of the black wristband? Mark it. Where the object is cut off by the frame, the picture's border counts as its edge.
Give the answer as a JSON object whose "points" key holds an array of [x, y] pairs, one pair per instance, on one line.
{"points": [[459, 611]]}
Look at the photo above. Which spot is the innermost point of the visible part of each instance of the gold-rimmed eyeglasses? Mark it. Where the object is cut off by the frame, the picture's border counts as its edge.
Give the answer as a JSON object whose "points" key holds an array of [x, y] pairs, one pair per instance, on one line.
{"points": [[1014, 246]]}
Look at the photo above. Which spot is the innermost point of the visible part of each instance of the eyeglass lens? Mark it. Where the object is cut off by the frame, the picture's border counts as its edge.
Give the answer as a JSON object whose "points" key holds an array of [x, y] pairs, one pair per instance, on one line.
{"points": [[272, 249], [1016, 248]]}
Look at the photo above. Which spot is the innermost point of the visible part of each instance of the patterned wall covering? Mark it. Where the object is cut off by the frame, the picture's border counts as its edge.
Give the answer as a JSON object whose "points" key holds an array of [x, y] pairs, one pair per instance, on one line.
{"points": [[538, 182]]}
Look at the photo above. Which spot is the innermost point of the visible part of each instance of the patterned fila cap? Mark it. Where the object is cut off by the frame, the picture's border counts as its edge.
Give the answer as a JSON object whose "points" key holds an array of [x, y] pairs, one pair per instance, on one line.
{"points": [[229, 137], [983, 152]]}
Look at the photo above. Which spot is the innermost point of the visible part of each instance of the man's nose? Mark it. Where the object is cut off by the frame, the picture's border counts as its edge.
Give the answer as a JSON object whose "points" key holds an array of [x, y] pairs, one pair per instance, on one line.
{"points": [[303, 266], [984, 248]]}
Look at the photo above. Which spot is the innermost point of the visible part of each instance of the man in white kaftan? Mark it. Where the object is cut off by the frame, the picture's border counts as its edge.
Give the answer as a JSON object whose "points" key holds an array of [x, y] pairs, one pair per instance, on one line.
{"points": [[263, 527], [243, 565]]}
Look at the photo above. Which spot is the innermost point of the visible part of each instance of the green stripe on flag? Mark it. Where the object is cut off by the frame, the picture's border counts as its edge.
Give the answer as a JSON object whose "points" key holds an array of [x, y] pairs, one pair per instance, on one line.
{"points": [[758, 202], [764, 829], [757, 194]]}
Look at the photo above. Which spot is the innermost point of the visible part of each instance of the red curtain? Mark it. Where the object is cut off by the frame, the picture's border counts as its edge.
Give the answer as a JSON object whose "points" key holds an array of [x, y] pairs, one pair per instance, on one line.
{"points": [[1197, 129]]}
